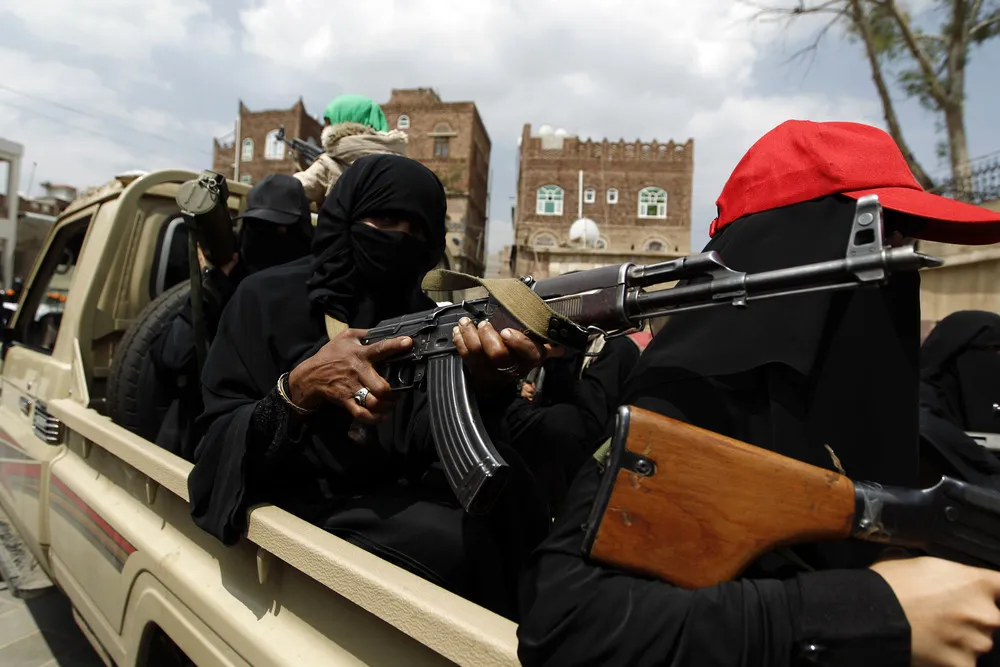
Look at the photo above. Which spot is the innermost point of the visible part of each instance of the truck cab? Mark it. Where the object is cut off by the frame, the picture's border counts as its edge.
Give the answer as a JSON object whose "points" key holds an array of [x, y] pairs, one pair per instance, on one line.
{"points": [[104, 513]]}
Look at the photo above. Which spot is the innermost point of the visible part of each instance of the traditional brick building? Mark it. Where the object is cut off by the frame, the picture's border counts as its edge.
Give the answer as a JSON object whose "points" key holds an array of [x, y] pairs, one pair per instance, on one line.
{"points": [[450, 138], [260, 151], [638, 194]]}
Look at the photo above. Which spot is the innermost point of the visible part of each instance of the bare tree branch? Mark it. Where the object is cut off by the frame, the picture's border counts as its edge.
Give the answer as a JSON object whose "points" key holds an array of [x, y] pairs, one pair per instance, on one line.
{"points": [[860, 20], [974, 10], [814, 45], [983, 25], [918, 52]]}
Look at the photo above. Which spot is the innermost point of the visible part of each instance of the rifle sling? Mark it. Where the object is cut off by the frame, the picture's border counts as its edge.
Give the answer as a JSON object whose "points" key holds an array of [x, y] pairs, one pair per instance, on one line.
{"points": [[513, 296]]}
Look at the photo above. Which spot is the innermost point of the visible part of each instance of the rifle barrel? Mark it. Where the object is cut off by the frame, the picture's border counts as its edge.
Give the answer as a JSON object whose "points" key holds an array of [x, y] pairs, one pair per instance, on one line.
{"points": [[738, 286]]}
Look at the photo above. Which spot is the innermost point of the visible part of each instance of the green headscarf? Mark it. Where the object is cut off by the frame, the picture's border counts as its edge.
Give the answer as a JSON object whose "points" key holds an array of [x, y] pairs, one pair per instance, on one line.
{"points": [[356, 109]]}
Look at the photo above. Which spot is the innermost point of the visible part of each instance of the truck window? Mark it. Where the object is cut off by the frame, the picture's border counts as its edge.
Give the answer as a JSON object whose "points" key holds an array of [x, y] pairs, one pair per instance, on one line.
{"points": [[170, 261], [38, 324]]}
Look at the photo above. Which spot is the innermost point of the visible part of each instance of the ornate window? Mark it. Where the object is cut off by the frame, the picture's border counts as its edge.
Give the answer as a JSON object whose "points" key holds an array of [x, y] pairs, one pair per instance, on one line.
{"points": [[589, 196], [612, 196], [550, 200], [602, 243], [403, 122], [274, 148], [545, 240], [655, 246], [246, 155], [652, 203]]}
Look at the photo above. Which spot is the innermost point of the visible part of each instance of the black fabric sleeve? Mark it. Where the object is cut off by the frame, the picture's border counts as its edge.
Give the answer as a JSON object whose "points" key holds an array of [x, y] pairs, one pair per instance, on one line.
{"points": [[575, 612]]}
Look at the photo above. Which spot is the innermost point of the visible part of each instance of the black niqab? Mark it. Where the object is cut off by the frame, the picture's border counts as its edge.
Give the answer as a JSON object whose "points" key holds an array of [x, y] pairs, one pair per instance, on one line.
{"points": [[359, 271], [959, 384], [793, 375], [386, 493]]}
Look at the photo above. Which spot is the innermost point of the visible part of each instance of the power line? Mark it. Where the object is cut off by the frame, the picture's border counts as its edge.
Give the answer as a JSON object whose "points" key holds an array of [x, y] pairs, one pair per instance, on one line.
{"points": [[106, 118], [63, 123]]}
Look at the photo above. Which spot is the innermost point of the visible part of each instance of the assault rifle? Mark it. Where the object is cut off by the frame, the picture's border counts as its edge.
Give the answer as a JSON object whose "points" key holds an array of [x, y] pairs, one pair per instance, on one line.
{"points": [[659, 511], [606, 301], [305, 149]]}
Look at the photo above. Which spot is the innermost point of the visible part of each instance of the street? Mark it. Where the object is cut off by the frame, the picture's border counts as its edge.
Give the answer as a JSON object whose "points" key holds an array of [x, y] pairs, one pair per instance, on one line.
{"points": [[40, 632]]}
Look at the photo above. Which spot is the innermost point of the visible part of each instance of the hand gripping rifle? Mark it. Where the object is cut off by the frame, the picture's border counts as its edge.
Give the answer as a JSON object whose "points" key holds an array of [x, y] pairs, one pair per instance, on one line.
{"points": [[608, 301]]}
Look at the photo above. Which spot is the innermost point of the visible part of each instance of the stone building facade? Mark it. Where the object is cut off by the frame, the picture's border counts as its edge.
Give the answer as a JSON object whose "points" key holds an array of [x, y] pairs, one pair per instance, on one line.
{"points": [[451, 139], [637, 193], [260, 152]]}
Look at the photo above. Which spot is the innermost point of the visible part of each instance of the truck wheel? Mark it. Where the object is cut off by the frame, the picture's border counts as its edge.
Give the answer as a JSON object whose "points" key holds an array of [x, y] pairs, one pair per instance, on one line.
{"points": [[137, 401]]}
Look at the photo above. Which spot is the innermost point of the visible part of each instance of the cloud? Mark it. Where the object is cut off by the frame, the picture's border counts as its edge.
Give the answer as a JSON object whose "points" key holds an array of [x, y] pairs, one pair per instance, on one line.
{"points": [[123, 29]]}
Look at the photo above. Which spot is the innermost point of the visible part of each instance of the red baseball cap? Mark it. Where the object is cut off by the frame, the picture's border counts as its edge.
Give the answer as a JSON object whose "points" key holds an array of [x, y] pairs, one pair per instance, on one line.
{"points": [[801, 160]]}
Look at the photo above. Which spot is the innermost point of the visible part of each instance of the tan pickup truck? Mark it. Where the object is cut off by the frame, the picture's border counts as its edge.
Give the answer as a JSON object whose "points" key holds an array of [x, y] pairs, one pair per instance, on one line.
{"points": [[103, 513]]}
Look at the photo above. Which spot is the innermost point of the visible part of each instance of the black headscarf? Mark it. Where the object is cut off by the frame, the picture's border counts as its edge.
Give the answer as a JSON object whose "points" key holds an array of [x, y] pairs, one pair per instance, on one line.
{"points": [[276, 320], [264, 244], [357, 270], [959, 383], [791, 375], [960, 360], [797, 374]]}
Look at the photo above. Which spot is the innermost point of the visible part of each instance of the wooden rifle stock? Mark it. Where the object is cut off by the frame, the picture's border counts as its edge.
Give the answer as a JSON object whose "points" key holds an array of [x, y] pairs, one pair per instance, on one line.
{"points": [[695, 508]]}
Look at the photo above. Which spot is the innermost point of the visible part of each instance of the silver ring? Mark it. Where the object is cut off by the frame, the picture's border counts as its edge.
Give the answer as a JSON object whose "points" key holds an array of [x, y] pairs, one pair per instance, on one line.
{"points": [[360, 396]]}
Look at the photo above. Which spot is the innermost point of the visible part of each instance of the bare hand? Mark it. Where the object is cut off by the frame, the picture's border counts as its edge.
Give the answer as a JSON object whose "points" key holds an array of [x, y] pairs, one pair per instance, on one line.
{"points": [[952, 608], [342, 367], [226, 269], [528, 391], [495, 359]]}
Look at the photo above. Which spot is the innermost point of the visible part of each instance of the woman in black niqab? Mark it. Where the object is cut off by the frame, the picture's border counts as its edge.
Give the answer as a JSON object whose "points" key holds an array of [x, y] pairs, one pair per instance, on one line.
{"points": [[959, 385], [384, 493], [825, 378]]}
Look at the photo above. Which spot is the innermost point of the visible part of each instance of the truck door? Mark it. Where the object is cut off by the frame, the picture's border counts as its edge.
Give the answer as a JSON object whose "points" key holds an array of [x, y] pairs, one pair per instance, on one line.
{"points": [[37, 367]]}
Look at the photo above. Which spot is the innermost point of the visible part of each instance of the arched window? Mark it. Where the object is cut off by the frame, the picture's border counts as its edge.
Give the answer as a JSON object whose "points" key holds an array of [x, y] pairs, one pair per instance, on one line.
{"points": [[550, 200], [442, 128], [589, 196], [612, 196], [655, 246], [274, 148], [247, 153], [602, 244], [403, 122], [652, 203], [545, 240]]}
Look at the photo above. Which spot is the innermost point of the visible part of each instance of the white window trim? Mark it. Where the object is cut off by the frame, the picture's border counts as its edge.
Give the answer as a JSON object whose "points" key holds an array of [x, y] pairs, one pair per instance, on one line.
{"points": [[589, 195], [612, 196], [403, 122], [246, 178], [244, 157], [545, 235], [273, 149], [661, 207], [557, 208]]}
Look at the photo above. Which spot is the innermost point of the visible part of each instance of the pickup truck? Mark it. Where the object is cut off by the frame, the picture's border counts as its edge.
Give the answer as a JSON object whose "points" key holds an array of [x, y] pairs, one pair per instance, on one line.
{"points": [[101, 513]]}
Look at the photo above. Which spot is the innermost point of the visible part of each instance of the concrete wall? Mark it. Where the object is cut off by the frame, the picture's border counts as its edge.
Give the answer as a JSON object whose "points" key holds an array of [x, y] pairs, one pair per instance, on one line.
{"points": [[10, 153]]}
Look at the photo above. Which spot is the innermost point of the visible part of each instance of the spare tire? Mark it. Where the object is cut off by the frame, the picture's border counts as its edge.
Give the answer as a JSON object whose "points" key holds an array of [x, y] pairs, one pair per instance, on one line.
{"points": [[137, 400]]}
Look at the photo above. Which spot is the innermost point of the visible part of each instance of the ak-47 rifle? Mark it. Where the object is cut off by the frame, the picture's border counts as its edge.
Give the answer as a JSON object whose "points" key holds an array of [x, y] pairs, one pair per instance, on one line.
{"points": [[306, 150], [659, 511], [609, 301]]}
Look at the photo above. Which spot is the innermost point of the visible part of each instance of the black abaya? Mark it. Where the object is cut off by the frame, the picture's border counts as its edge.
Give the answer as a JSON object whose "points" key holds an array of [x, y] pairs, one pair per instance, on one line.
{"points": [[385, 494], [555, 437], [959, 384], [794, 375]]}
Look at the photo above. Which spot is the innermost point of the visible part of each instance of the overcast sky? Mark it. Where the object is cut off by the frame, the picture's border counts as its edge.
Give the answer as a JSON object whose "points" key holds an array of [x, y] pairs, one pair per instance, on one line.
{"points": [[94, 87]]}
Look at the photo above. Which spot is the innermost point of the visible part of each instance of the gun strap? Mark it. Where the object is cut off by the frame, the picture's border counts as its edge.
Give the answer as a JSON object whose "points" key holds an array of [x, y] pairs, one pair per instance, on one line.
{"points": [[334, 327], [513, 295]]}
